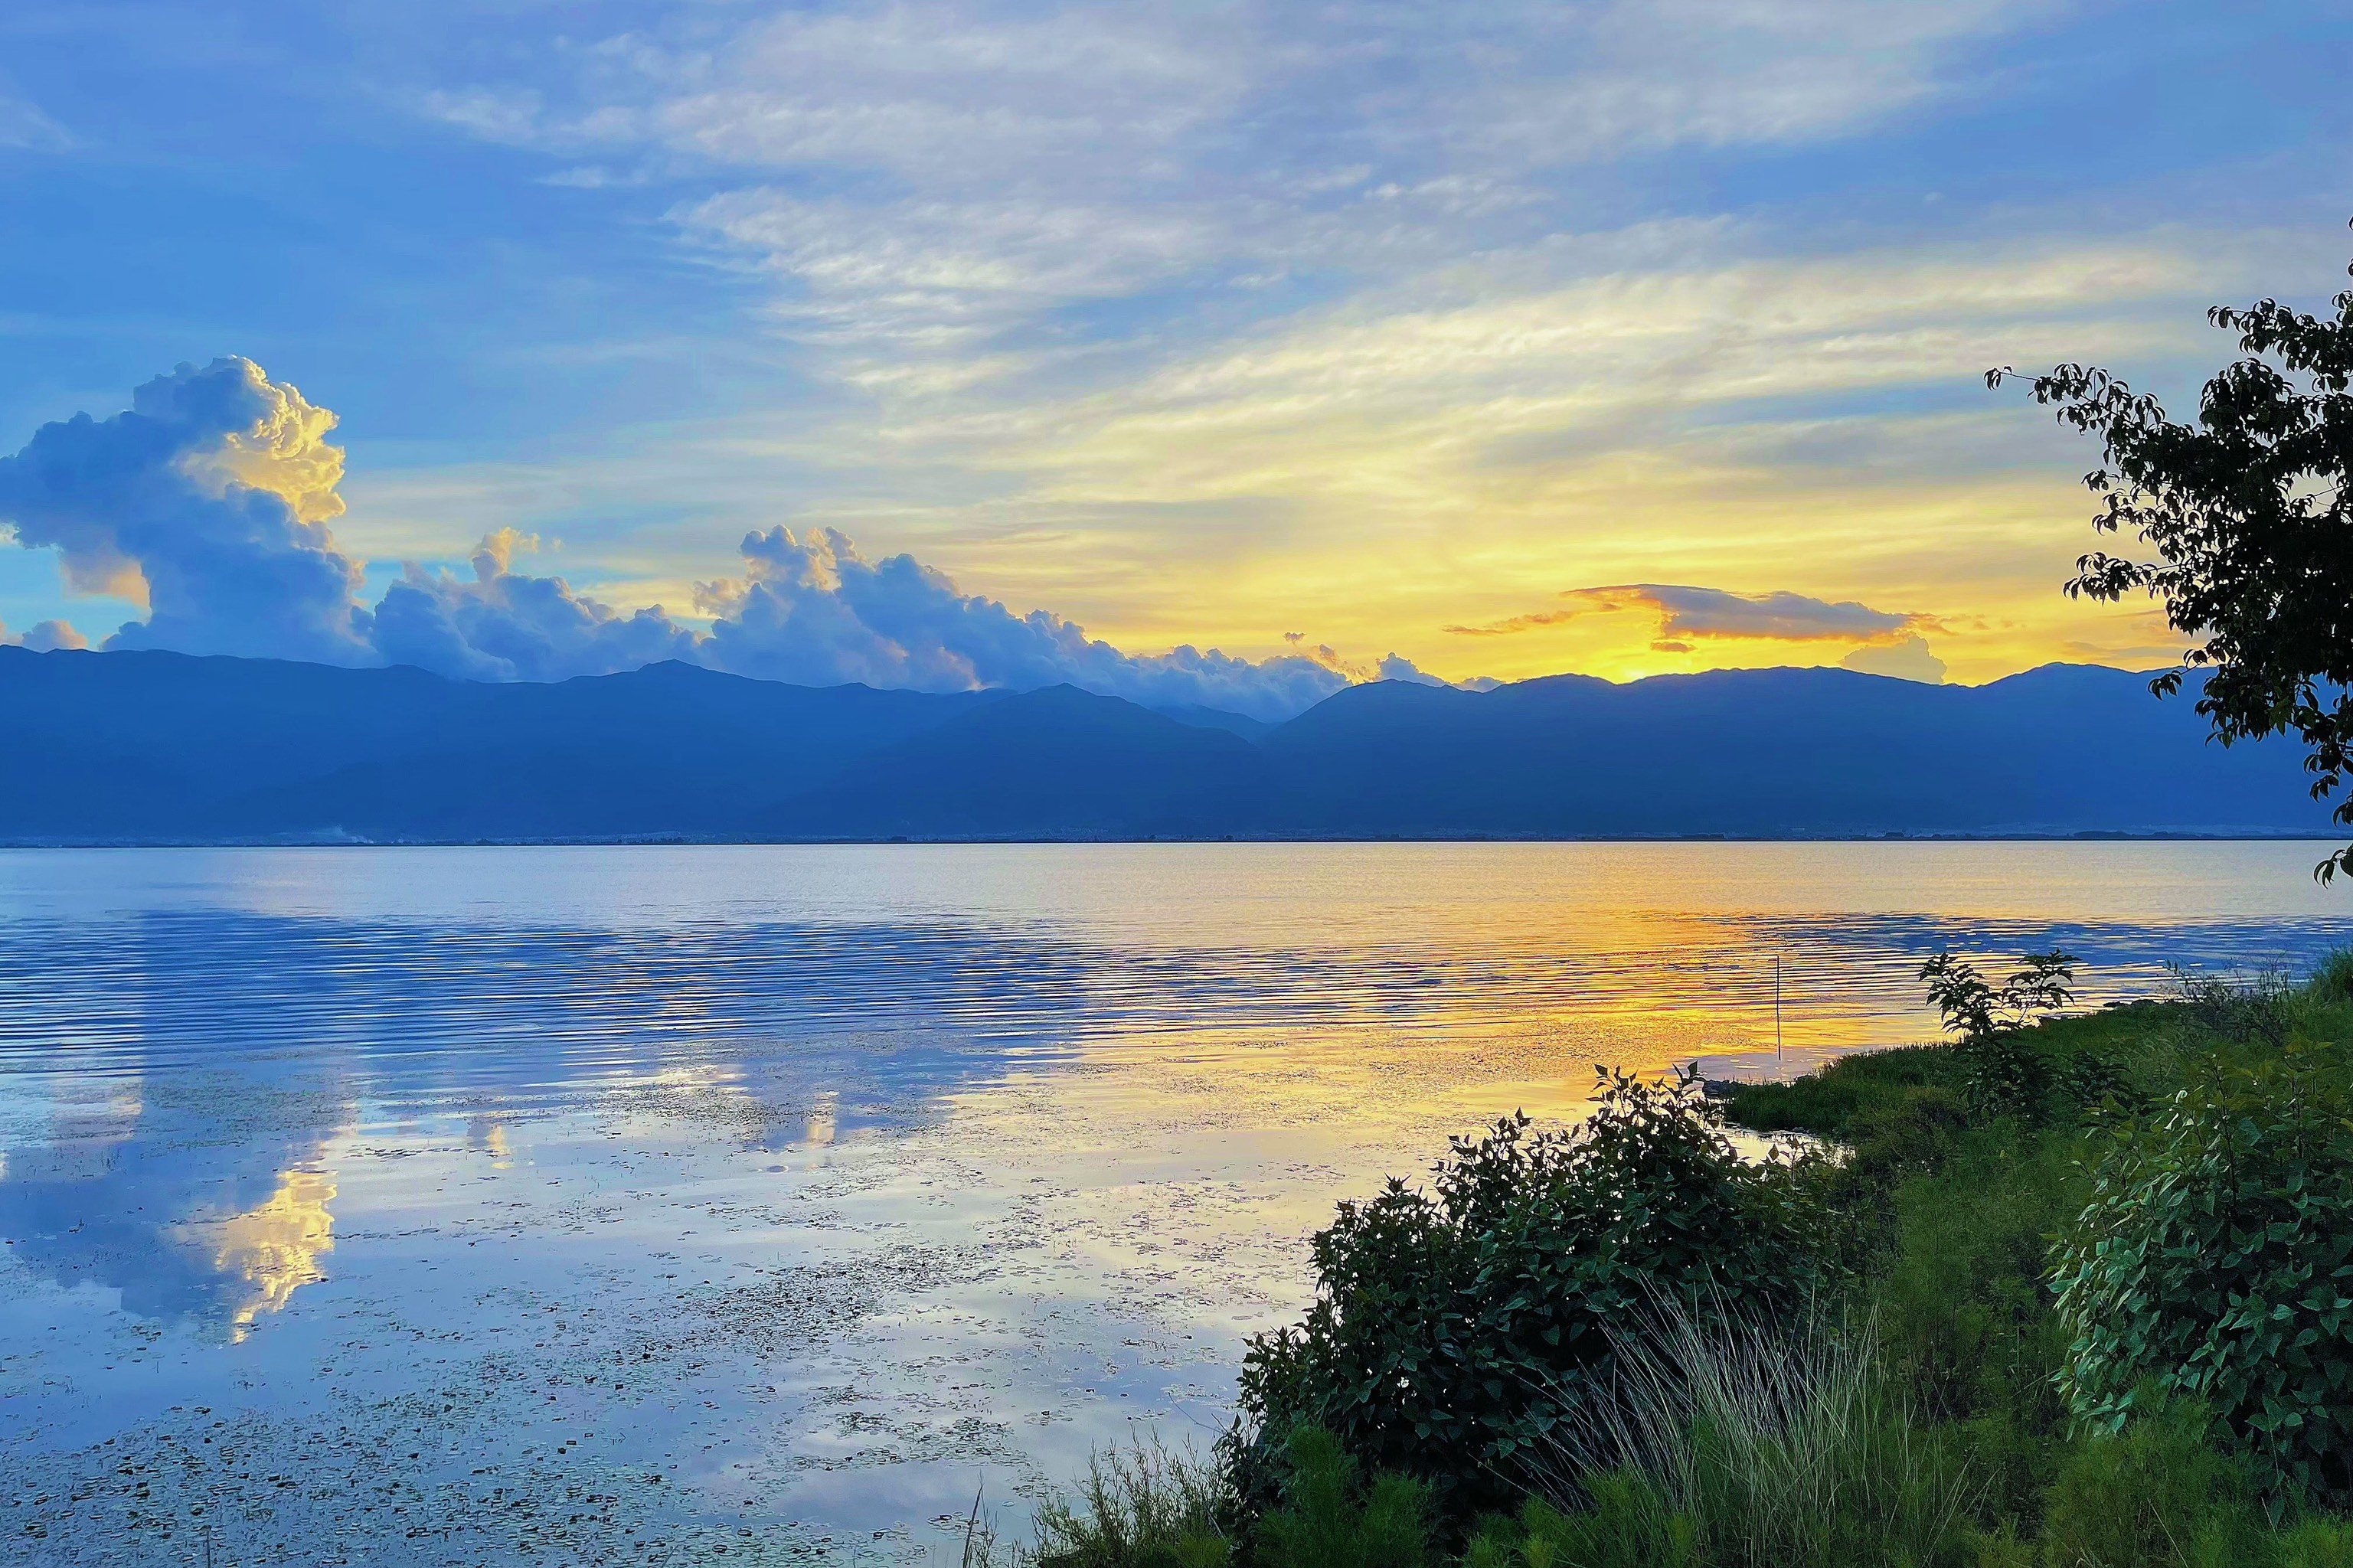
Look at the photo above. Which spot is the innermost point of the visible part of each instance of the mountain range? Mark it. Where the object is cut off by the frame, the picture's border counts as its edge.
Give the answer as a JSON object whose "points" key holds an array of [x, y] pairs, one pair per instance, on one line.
{"points": [[161, 747]]}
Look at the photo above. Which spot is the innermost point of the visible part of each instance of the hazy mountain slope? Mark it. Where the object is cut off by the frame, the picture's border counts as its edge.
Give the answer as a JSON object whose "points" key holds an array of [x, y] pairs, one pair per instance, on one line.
{"points": [[2062, 749], [158, 745], [1058, 763], [162, 746]]}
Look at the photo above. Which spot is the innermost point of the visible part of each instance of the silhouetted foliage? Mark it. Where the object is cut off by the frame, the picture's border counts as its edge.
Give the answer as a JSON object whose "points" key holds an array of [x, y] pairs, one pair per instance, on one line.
{"points": [[2247, 512]]}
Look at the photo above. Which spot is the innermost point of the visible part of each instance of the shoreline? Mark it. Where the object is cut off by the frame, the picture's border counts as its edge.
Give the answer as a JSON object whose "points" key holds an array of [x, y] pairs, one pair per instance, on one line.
{"points": [[671, 840]]}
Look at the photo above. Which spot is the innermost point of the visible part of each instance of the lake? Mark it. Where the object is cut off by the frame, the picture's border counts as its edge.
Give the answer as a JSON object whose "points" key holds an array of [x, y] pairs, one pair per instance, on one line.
{"points": [[745, 1204]]}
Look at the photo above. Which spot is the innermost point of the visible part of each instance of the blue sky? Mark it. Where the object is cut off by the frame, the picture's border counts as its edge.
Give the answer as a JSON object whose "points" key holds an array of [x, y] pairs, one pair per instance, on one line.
{"points": [[1194, 325]]}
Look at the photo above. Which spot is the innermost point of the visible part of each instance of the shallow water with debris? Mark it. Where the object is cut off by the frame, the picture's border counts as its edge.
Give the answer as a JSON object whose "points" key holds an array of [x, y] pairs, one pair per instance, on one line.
{"points": [[753, 1205]]}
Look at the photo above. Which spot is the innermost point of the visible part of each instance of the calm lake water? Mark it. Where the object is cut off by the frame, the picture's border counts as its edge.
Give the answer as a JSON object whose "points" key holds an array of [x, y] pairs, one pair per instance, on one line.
{"points": [[740, 1204]]}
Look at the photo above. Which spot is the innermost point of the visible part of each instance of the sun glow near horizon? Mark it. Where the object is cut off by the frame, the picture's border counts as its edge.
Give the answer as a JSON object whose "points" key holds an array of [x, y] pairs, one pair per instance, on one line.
{"points": [[1134, 331]]}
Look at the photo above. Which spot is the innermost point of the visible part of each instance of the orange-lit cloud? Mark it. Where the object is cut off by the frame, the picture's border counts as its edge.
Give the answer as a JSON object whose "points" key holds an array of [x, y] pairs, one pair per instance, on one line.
{"points": [[1686, 613], [1884, 642]]}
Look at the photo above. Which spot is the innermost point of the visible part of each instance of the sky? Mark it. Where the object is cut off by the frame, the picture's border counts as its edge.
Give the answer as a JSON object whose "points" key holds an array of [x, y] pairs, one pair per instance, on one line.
{"points": [[956, 343]]}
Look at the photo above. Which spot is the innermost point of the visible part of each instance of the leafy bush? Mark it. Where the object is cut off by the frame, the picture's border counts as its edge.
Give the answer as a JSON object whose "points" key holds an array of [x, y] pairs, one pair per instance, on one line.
{"points": [[2214, 1262], [2007, 1074], [1451, 1329]]}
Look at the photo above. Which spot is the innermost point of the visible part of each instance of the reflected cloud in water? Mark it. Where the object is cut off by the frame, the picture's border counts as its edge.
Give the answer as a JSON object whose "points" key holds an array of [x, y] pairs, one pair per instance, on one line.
{"points": [[809, 1168]]}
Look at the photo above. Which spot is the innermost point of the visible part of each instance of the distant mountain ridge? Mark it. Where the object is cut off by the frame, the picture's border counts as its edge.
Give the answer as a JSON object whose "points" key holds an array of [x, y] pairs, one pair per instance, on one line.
{"points": [[160, 747]]}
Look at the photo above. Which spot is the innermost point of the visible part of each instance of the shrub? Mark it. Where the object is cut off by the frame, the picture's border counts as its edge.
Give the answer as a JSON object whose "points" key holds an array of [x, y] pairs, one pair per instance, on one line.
{"points": [[2214, 1262], [1451, 1329], [2260, 1007], [2007, 1072]]}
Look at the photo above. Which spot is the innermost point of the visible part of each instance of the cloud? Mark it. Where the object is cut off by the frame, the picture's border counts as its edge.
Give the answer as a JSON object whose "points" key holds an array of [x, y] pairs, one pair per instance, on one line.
{"points": [[1686, 614], [943, 174], [504, 626], [1397, 667], [210, 499], [1906, 659], [25, 128], [811, 610], [46, 636], [1687, 611]]}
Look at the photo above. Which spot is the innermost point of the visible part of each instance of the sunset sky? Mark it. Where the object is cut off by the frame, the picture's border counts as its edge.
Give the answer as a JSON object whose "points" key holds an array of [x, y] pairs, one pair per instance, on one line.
{"points": [[1508, 339]]}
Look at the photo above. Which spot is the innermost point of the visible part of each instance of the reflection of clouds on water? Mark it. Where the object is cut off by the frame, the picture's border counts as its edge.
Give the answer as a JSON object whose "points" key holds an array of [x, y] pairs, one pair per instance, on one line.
{"points": [[194, 1199], [487, 1135], [274, 1247], [195, 1191], [823, 1118], [832, 1206]]}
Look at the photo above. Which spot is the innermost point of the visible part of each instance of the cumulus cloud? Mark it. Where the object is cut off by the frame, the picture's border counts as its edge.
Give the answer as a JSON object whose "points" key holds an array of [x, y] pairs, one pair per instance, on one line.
{"points": [[208, 502], [210, 499], [1906, 659], [811, 609], [1397, 667], [46, 636], [504, 626]]}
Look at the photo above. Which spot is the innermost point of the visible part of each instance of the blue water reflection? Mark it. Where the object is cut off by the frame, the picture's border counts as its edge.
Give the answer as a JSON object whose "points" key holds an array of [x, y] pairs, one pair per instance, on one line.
{"points": [[793, 1191]]}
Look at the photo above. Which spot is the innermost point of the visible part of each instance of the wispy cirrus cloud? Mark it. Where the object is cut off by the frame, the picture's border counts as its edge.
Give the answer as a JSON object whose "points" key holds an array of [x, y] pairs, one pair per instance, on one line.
{"points": [[944, 174], [24, 126]]}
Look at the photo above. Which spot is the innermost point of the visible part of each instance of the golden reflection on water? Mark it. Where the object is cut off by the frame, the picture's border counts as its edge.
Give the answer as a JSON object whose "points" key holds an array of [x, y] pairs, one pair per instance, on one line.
{"points": [[822, 1118], [275, 1248], [487, 1135]]}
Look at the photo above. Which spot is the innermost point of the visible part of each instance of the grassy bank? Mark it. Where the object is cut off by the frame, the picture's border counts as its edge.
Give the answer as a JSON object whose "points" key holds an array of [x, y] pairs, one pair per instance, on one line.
{"points": [[2070, 1293]]}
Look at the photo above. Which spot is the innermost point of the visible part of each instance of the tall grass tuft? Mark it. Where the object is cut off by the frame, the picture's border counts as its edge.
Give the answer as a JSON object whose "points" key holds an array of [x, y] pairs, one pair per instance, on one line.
{"points": [[1742, 1445], [1145, 1504]]}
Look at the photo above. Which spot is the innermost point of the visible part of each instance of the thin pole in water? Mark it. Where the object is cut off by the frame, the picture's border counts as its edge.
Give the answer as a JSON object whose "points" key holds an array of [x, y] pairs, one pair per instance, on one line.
{"points": [[1777, 1007]]}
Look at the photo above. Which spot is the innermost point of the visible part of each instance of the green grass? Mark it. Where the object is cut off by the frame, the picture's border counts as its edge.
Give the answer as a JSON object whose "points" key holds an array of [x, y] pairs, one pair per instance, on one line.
{"points": [[1146, 1504], [1753, 1444]]}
